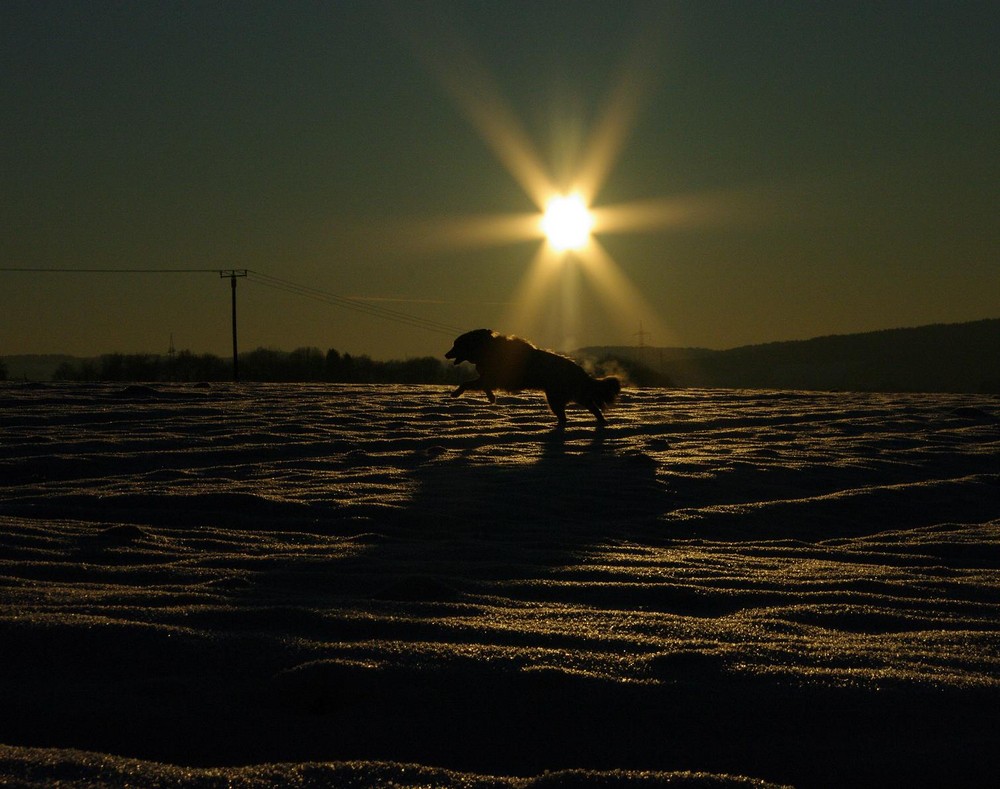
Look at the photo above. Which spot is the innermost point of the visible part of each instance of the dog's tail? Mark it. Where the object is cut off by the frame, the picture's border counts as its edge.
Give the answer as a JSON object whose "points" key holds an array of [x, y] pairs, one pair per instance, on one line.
{"points": [[605, 390]]}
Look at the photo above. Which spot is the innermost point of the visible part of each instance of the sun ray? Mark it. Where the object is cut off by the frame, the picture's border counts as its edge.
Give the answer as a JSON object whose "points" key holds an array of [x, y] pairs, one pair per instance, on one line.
{"points": [[444, 234], [503, 133], [640, 215], [616, 122], [426, 237], [715, 208], [625, 302], [477, 96], [569, 316], [524, 310]]}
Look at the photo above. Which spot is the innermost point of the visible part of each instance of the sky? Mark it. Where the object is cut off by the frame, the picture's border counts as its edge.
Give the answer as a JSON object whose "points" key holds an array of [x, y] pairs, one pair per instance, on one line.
{"points": [[757, 171]]}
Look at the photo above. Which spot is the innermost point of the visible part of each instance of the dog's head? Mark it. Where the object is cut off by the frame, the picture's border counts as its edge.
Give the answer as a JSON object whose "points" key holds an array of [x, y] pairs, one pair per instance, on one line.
{"points": [[471, 346]]}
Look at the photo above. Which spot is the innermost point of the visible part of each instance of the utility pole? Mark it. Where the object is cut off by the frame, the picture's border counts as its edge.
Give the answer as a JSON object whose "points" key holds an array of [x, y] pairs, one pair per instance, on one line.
{"points": [[642, 335], [233, 273]]}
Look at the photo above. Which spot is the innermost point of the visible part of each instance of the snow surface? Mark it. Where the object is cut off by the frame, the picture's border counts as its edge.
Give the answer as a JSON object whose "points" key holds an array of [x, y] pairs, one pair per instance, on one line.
{"points": [[380, 585]]}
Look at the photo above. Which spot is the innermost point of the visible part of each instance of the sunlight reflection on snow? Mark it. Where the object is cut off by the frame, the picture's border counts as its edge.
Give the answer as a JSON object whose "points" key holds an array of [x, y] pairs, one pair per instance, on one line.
{"points": [[362, 545]]}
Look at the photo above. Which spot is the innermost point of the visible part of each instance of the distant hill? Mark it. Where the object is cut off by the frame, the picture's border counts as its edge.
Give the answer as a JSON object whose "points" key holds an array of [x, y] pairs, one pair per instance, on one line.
{"points": [[956, 357]]}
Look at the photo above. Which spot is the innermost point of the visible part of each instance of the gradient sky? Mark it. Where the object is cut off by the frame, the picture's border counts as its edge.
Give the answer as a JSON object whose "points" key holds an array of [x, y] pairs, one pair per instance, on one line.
{"points": [[802, 168]]}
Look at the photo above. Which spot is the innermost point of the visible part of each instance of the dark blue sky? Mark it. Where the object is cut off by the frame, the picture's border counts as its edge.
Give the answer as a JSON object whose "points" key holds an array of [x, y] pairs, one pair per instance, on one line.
{"points": [[834, 166]]}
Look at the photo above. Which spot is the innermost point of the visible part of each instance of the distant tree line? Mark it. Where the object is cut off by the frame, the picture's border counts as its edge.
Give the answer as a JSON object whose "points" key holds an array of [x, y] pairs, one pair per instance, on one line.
{"points": [[304, 365], [262, 364], [3, 371]]}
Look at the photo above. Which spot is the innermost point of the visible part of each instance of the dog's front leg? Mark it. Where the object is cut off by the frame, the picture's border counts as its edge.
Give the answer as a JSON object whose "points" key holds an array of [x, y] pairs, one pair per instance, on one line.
{"points": [[476, 384]]}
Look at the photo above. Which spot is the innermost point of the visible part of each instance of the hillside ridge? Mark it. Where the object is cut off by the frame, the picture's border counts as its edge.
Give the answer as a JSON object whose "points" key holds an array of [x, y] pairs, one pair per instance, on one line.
{"points": [[940, 357]]}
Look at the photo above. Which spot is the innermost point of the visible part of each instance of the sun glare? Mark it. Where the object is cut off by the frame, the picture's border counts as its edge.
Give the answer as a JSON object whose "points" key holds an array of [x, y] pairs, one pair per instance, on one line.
{"points": [[567, 222], [571, 257]]}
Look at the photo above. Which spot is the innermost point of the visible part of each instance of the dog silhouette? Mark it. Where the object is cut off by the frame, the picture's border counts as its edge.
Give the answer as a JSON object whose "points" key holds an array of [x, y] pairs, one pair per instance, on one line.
{"points": [[512, 364]]}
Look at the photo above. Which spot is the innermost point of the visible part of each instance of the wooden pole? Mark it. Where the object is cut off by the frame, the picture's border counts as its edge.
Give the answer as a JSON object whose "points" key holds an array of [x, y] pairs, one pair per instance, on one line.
{"points": [[233, 274]]}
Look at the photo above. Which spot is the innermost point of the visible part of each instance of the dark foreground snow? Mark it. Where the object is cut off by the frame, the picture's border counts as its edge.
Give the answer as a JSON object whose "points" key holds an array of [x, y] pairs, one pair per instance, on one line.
{"points": [[354, 585]]}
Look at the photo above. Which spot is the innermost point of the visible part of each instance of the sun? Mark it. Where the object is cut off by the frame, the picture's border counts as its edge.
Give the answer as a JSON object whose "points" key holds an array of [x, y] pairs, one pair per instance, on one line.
{"points": [[567, 222]]}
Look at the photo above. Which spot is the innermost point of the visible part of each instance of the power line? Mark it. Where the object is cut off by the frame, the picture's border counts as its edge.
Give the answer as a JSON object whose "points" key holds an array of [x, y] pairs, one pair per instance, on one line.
{"points": [[113, 270], [275, 283], [347, 302]]}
